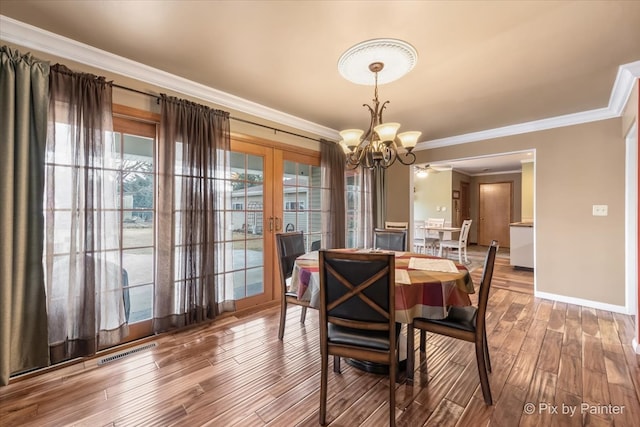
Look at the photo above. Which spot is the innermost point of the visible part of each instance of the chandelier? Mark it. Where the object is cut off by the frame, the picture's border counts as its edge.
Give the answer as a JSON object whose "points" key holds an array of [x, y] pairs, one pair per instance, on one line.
{"points": [[380, 146]]}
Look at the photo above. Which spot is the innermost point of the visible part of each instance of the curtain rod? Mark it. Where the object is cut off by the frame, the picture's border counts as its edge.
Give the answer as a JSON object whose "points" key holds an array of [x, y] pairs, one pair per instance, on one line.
{"points": [[231, 117]]}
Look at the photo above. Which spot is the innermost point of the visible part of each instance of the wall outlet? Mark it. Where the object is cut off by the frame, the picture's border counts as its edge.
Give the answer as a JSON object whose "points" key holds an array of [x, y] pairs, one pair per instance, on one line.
{"points": [[600, 210]]}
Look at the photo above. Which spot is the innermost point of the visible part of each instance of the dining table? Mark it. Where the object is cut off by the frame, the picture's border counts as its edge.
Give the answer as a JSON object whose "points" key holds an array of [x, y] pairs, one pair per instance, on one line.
{"points": [[440, 230], [426, 286]]}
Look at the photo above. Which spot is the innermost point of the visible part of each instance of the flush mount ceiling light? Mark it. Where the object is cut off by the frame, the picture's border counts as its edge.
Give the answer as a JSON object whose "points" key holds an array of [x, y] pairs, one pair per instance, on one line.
{"points": [[372, 62]]}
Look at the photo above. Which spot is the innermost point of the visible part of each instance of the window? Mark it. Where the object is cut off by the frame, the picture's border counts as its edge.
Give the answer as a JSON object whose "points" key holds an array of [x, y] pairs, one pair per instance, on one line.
{"points": [[294, 206]]}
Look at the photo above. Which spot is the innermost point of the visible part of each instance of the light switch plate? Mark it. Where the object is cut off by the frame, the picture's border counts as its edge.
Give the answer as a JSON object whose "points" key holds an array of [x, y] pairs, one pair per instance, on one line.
{"points": [[600, 210]]}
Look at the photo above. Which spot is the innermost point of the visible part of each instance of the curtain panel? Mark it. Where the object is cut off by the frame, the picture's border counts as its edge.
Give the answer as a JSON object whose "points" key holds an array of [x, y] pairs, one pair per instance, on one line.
{"points": [[24, 93], [379, 198], [83, 275], [193, 162], [363, 179], [332, 163]]}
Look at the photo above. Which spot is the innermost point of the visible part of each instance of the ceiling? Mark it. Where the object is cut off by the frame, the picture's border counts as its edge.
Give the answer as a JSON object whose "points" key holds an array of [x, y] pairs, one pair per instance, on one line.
{"points": [[481, 64]]}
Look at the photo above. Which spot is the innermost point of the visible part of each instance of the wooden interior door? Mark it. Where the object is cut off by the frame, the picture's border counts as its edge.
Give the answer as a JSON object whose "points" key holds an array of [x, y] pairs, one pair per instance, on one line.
{"points": [[495, 213]]}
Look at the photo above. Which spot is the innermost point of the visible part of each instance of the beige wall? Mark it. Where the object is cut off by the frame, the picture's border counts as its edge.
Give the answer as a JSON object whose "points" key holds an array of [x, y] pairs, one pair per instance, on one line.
{"points": [[432, 197], [527, 192], [577, 255]]}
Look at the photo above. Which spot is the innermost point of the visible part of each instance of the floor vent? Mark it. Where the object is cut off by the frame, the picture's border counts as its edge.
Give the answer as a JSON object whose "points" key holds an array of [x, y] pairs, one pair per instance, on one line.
{"points": [[125, 353]]}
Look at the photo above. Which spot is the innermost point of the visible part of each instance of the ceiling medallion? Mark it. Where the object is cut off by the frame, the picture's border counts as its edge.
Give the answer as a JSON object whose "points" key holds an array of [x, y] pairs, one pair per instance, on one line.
{"points": [[398, 57], [368, 63]]}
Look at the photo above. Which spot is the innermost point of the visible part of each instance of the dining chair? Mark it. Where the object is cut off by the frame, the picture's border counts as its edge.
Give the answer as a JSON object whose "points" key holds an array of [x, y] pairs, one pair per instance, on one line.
{"points": [[289, 246], [357, 315], [432, 237], [396, 225], [390, 239], [460, 245], [464, 323]]}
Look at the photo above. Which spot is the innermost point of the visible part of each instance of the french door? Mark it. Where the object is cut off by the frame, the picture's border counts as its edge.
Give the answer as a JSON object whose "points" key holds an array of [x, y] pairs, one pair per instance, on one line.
{"points": [[273, 190]]}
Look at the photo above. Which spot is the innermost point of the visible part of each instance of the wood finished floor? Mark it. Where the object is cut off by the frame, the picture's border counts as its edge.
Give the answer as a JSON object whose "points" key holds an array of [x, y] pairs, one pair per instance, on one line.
{"points": [[237, 372]]}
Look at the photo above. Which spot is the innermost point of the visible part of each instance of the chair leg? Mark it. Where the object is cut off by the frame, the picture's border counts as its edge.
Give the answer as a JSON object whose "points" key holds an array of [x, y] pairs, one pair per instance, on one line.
{"points": [[460, 255], [411, 353], [392, 393], [283, 317], [303, 314], [423, 340], [336, 364], [466, 260], [486, 350], [482, 371], [323, 388]]}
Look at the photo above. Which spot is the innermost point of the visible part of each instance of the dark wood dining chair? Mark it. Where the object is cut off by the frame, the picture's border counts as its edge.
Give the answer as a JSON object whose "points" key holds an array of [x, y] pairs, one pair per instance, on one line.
{"points": [[390, 239], [357, 315], [465, 323], [289, 246]]}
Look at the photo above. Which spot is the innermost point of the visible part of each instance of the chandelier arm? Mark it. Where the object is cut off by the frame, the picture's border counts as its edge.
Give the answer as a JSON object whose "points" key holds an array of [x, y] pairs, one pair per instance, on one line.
{"points": [[409, 155], [356, 157], [382, 107]]}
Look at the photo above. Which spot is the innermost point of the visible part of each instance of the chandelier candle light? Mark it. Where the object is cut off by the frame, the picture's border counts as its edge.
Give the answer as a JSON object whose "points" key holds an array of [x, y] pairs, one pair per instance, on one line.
{"points": [[379, 146]]}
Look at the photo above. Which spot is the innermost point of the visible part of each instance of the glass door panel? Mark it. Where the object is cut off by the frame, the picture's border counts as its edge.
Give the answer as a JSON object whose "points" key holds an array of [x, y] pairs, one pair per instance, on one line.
{"points": [[302, 192], [246, 236]]}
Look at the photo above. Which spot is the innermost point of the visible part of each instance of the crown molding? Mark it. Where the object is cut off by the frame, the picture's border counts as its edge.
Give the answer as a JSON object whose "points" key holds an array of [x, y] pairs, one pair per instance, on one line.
{"points": [[622, 87], [36, 38]]}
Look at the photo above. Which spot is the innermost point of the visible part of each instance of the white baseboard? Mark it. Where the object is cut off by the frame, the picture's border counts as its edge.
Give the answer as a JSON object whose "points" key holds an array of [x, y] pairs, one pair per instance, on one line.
{"points": [[636, 345], [583, 302]]}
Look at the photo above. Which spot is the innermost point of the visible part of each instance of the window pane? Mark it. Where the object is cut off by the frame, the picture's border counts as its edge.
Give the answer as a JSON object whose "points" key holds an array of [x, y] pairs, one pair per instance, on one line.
{"points": [[239, 290], [255, 253], [254, 284], [137, 228], [138, 264], [140, 303]]}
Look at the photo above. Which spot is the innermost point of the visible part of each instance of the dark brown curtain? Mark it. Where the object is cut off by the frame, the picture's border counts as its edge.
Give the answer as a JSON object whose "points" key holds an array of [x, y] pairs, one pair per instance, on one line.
{"points": [[332, 163], [194, 147], [24, 87], [83, 276]]}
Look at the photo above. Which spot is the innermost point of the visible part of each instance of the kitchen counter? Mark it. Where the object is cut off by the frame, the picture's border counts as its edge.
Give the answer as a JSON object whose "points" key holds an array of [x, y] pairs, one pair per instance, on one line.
{"points": [[521, 250]]}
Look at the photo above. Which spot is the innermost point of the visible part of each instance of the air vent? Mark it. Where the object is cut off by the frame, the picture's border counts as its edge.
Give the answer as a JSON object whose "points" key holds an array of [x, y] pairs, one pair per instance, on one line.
{"points": [[126, 353]]}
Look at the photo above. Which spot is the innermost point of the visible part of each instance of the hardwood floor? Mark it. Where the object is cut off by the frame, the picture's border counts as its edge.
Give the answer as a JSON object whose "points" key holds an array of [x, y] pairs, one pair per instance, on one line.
{"points": [[546, 357]]}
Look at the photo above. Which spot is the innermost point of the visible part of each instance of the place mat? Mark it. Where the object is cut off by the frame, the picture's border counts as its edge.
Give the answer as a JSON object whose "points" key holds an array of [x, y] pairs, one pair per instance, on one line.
{"points": [[433, 264], [402, 276]]}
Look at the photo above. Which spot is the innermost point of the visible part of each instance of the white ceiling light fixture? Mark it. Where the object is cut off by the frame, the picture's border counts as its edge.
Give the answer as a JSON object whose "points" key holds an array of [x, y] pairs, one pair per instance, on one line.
{"points": [[386, 60]]}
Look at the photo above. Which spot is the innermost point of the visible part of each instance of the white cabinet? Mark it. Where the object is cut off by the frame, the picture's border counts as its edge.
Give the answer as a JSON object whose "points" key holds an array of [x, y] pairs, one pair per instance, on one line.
{"points": [[521, 249]]}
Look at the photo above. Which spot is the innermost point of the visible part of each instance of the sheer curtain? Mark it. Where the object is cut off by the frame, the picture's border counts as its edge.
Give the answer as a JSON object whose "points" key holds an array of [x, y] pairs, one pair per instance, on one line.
{"points": [[363, 179], [24, 84], [379, 209], [193, 163], [83, 277], [332, 163]]}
